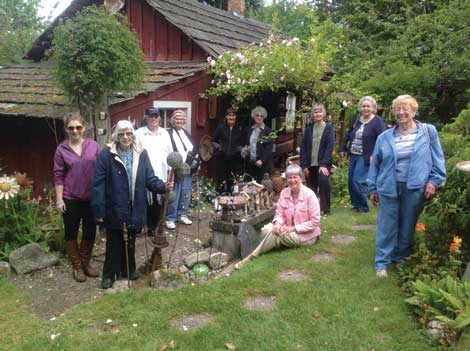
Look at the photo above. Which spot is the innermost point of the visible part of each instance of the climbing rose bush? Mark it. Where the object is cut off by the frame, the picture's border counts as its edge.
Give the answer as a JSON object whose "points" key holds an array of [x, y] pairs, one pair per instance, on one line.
{"points": [[274, 64]]}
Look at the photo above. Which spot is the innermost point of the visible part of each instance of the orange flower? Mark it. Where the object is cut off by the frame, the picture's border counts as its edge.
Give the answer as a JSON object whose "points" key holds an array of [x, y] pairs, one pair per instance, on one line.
{"points": [[454, 247], [420, 227]]}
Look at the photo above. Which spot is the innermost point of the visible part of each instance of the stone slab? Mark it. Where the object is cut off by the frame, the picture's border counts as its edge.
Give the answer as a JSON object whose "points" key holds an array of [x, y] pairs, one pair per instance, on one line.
{"points": [[361, 227], [197, 257], [192, 321], [321, 257], [260, 303], [249, 239], [291, 276], [343, 239], [31, 257], [228, 243]]}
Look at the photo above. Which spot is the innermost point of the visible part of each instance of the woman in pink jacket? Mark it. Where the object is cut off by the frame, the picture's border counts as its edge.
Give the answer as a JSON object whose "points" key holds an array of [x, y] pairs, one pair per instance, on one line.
{"points": [[296, 221]]}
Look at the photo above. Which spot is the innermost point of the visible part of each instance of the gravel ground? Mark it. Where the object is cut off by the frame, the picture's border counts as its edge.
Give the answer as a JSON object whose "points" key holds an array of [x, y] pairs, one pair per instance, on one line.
{"points": [[54, 290]]}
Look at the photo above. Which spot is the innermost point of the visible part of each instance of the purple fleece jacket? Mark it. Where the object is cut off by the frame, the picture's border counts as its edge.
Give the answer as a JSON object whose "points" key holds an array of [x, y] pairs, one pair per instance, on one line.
{"points": [[75, 172]]}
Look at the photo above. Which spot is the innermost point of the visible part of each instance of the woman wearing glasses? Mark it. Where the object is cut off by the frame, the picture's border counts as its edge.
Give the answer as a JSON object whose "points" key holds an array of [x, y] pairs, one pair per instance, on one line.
{"points": [[123, 174], [74, 163]]}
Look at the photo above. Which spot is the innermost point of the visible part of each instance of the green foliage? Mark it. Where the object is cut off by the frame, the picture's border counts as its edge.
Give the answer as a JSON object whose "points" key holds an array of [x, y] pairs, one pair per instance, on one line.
{"points": [[19, 26], [288, 17], [207, 192], [447, 300], [339, 184], [20, 224], [251, 5], [96, 54], [273, 65], [452, 205]]}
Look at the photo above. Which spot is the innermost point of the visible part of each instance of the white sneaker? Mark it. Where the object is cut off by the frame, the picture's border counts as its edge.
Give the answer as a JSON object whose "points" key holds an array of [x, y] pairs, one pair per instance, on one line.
{"points": [[381, 273], [170, 225], [185, 220]]}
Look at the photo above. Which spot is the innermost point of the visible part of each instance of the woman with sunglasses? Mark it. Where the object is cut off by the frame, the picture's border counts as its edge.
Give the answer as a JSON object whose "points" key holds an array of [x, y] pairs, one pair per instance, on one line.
{"points": [[74, 164]]}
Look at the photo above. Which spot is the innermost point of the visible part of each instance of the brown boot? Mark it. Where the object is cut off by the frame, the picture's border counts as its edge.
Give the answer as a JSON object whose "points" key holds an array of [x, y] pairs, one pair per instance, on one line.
{"points": [[71, 249], [86, 247]]}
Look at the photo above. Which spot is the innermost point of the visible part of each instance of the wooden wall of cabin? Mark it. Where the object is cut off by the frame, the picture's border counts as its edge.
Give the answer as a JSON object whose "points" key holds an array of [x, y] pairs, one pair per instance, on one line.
{"points": [[159, 39], [28, 145]]}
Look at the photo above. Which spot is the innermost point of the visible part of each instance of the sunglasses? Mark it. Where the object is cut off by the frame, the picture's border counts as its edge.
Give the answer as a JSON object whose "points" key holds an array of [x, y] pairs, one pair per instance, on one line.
{"points": [[77, 128], [154, 116], [127, 134]]}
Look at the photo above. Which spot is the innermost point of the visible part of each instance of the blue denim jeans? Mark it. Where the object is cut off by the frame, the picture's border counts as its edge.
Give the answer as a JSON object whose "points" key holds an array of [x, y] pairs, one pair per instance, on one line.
{"points": [[396, 222], [357, 183], [180, 207]]}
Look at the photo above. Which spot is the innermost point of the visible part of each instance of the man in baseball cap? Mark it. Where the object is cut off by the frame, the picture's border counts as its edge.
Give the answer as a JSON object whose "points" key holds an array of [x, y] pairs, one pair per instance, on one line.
{"points": [[156, 140]]}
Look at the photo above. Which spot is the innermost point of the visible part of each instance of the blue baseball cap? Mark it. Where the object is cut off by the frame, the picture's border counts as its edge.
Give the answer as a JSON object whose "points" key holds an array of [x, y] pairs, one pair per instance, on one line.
{"points": [[152, 111]]}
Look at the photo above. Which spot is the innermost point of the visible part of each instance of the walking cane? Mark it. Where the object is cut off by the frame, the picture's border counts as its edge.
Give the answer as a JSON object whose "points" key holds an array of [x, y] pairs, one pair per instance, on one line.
{"points": [[125, 233]]}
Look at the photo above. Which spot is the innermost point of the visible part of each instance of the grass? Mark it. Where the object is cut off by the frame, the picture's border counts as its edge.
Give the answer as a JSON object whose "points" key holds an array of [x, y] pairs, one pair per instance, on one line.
{"points": [[340, 306]]}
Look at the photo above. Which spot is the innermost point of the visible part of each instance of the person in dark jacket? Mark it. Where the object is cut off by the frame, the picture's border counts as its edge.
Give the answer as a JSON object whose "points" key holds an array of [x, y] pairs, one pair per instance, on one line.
{"points": [[123, 174], [227, 142], [258, 149], [316, 155], [359, 143]]}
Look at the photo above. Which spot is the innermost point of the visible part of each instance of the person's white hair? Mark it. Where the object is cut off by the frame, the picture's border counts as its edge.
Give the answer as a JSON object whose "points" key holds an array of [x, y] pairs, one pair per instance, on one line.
{"points": [[321, 107], [122, 127], [259, 109], [294, 169], [371, 100]]}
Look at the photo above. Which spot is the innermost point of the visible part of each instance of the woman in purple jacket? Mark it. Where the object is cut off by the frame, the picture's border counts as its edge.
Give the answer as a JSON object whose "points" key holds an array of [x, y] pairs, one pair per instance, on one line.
{"points": [[74, 164]]}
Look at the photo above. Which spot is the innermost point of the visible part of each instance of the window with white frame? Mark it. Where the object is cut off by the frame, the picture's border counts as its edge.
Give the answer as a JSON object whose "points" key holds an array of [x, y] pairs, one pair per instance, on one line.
{"points": [[166, 109]]}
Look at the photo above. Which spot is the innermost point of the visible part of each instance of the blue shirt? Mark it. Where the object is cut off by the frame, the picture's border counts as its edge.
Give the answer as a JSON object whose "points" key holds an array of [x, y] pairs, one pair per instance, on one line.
{"points": [[404, 143], [126, 158]]}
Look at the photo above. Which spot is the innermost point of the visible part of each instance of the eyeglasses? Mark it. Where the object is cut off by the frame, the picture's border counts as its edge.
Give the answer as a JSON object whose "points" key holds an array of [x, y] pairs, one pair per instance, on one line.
{"points": [[127, 134], [154, 116], [77, 128]]}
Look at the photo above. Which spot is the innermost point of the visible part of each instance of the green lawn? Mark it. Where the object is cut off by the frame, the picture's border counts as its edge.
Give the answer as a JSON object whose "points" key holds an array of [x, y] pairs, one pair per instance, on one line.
{"points": [[341, 306]]}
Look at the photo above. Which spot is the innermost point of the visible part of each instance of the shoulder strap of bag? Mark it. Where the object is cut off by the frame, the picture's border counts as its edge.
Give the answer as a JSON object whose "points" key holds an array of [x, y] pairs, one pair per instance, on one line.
{"points": [[172, 140], [426, 133]]}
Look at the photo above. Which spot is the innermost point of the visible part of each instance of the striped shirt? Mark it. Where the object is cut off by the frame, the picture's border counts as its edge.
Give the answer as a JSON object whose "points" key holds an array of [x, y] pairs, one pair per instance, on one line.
{"points": [[404, 143]]}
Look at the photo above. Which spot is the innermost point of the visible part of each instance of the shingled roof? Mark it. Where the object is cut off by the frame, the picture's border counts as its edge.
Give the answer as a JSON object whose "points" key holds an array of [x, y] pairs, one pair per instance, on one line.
{"points": [[214, 30], [30, 90]]}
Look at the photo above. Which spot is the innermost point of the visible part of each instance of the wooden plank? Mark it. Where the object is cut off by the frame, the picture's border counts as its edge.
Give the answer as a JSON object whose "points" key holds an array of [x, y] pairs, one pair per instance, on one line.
{"points": [[174, 43], [148, 32], [161, 44], [186, 48]]}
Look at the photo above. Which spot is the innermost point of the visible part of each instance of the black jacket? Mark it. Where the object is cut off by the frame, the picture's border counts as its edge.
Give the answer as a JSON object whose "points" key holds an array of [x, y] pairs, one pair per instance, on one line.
{"points": [[327, 142], [230, 140], [371, 131], [264, 148]]}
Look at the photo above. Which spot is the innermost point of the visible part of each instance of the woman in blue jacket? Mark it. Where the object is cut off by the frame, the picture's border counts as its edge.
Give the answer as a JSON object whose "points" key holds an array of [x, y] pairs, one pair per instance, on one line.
{"points": [[407, 165], [123, 174], [359, 143], [316, 155]]}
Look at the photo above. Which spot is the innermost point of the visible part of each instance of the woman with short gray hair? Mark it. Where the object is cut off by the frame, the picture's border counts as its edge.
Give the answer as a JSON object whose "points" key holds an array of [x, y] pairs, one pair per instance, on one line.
{"points": [[296, 221], [258, 149], [359, 144], [123, 174], [316, 155]]}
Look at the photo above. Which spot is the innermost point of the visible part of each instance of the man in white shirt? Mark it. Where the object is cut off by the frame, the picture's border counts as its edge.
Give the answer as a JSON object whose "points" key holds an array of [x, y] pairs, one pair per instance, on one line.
{"points": [[157, 142]]}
